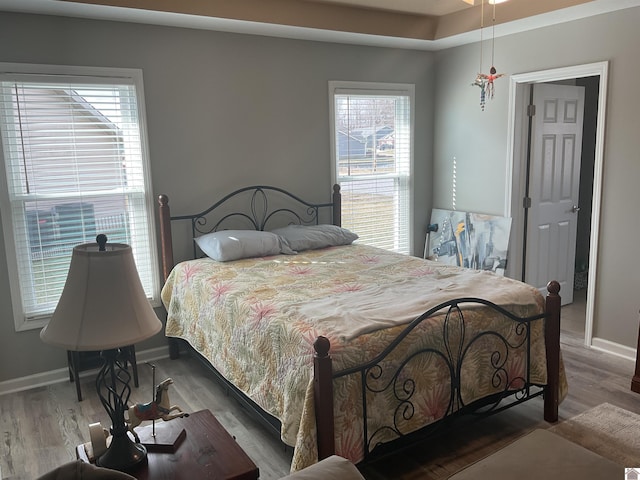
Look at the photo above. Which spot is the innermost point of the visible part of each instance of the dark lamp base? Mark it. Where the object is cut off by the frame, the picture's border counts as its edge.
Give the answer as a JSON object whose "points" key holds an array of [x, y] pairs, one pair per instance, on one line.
{"points": [[123, 454]]}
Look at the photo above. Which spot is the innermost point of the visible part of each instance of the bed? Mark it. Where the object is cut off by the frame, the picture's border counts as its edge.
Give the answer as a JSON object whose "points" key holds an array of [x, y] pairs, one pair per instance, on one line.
{"points": [[347, 348]]}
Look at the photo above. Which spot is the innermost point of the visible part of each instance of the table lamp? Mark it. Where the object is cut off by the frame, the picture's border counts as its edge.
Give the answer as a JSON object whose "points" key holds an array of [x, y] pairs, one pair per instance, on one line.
{"points": [[103, 307]]}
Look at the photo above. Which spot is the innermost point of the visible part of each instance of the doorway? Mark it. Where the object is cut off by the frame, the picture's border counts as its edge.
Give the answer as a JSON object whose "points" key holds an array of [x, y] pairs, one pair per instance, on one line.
{"points": [[517, 151]]}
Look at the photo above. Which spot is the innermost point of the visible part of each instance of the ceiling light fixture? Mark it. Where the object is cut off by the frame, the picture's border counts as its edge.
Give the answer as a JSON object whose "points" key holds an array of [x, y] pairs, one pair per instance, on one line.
{"points": [[491, 2]]}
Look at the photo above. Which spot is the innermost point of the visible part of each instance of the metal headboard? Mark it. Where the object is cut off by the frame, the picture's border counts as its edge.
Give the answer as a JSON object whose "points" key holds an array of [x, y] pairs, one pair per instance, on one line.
{"points": [[258, 214]]}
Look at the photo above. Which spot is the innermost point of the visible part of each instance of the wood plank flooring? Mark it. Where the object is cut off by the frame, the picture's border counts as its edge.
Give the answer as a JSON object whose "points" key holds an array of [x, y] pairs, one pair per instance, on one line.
{"points": [[41, 427]]}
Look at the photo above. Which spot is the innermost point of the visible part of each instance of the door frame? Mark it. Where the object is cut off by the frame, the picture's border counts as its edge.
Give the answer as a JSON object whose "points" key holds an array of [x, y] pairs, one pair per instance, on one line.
{"points": [[516, 160]]}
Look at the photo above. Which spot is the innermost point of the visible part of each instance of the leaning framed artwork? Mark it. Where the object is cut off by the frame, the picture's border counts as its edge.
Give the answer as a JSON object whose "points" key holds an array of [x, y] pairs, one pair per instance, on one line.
{"points": [[471, 240]]}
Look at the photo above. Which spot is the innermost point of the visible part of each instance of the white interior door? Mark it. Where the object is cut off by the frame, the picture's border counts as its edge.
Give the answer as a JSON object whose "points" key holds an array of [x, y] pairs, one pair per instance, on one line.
{"points": [[554, 178]]}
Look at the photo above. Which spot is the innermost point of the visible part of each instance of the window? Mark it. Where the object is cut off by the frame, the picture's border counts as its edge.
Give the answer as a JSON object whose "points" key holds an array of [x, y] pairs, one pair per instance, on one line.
{"points": [[372, 133], [75, 165]]}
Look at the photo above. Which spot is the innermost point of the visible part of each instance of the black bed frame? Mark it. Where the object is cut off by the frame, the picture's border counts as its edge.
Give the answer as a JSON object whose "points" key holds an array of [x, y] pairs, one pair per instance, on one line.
{"points": [[511, 393]]}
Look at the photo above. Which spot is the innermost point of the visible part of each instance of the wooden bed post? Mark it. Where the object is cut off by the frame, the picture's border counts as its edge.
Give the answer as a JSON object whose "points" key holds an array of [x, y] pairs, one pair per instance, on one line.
{"points": [[635, 381], [166, 248], [166, 243], [337, 206], [323, 397], [552, 342]]}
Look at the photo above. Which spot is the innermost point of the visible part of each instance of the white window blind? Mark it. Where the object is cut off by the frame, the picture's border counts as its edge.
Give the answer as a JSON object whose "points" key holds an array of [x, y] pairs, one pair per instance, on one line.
{"points": [[372, 128], [75, 166]]}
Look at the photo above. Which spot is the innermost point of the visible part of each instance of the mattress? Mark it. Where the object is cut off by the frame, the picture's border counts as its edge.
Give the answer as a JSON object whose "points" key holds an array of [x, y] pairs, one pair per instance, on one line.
{"points": [[256, 320]]}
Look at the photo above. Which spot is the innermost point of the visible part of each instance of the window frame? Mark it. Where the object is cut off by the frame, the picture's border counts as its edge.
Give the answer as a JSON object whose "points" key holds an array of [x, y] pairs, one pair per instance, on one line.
{"points": [[116, 76], [383, 89]]}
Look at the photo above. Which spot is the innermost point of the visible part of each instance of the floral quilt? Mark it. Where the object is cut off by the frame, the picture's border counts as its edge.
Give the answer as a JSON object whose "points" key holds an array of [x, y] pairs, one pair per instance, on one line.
{"points": [[256, 320]]}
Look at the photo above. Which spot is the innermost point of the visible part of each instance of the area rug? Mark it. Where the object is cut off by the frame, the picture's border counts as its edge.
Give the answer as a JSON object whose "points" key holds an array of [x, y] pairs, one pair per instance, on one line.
{"points": [[607, 430]]}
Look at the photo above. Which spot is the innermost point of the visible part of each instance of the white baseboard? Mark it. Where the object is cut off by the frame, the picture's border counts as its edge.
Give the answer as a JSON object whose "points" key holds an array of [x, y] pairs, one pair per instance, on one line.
{"points": [[62, 374], [613, 348]]}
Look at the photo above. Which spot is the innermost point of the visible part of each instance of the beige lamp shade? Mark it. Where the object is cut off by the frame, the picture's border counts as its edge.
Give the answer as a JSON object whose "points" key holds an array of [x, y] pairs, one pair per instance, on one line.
{"points": [[103, 304]]}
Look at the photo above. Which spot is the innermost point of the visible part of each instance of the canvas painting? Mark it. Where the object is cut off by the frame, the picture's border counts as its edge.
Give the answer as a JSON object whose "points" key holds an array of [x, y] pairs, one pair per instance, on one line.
{"points": [[470, 240]]}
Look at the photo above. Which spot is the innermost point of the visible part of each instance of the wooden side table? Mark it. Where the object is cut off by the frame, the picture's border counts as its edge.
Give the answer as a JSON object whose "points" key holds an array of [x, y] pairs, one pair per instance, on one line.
{"points": [[207, 451]]}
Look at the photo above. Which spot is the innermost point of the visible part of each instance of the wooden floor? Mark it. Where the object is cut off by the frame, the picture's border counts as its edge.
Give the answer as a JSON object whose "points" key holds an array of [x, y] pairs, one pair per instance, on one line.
{"points": [[41, 427]]}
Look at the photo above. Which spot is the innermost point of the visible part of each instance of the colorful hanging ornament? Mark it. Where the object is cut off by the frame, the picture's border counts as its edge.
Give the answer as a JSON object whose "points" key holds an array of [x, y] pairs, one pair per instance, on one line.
{"points": [[489, 80], [483, 80]]}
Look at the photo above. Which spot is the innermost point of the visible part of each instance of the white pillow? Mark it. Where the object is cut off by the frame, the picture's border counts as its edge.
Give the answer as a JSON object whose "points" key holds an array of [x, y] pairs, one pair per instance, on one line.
{"points": [[227, 245], [308, 237]]}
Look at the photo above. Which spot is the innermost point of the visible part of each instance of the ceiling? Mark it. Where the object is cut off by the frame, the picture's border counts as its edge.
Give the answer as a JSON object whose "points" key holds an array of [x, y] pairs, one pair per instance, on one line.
{"points": [[420, 7], [417, 24]]}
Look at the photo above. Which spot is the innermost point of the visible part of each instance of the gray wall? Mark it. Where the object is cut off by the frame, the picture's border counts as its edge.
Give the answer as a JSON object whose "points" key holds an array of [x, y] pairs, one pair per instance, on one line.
{"points": [[223, 111], [479, 142]]}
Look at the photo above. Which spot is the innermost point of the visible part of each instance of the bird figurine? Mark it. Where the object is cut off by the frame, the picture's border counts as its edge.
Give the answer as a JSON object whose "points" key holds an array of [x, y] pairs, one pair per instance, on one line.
{"points": [[493, 75]]}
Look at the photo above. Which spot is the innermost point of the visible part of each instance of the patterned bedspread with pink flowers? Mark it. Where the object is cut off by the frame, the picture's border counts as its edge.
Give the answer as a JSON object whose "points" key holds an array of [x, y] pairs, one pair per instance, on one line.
{"points": [[256, 320]]}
